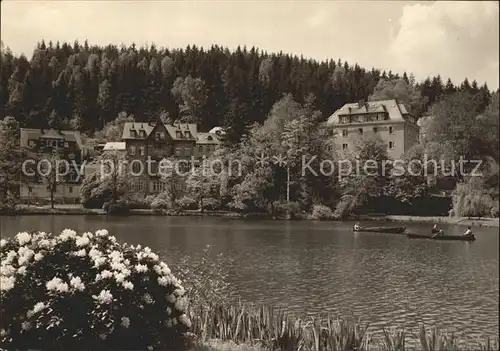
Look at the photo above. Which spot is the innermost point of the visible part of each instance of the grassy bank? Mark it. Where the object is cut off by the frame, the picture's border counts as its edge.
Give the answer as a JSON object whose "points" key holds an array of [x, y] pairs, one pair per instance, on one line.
{"points": [[244, 327], [79, 210]]}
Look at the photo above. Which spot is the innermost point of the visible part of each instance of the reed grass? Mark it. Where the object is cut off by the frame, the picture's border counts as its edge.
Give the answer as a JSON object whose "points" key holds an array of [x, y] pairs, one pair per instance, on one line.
{"points": [[247, 327]]}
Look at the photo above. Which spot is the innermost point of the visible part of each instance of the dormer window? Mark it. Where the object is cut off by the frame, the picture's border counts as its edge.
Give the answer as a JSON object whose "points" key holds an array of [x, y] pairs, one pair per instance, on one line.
{"points": [[209, 137], [162, 136], [186, 134], [157, 136], [133, 133], [143, 133], [178, 134]]}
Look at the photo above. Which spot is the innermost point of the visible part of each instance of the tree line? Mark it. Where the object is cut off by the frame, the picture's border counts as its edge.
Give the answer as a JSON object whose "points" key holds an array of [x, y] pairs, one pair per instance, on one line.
{"points": [[84, 87]]}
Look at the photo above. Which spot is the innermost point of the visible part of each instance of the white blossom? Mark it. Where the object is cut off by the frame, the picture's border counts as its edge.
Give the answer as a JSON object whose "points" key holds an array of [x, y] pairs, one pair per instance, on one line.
{"points": [[104, 297], [7, 269], [82, 241], [3, 332], [140, 268], [39, 306], [38, 256], [23, 238], [120, 277], [125, 322], [94, 253], [105, 274], [56, 284], [67, 234], [88, 235], [77, 284], [80, 253], [102, 232], [99, 261], [179, 291], [21, 270], [3, 242], [7, 283], [116, 256], [163, 281], [170, 298], [185, 320], [147, 250], [181, 304], [44, 244], [128, 285]]}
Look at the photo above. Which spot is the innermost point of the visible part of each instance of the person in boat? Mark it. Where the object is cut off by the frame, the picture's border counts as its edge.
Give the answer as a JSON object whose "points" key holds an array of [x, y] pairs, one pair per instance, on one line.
{"points": [[468, 232], [357, 227], [439, 233], [435, 229]]}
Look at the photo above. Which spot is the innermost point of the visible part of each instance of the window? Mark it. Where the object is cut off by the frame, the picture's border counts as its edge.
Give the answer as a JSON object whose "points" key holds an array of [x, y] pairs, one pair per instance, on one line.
{"points": [[141, 150], [344, 146], [391, 130], [66, 144], [360, 131], [162, 136], [157, 136], [54, 143], [60, 144], [70, 189], [344, 132], [375, 129], [158, 186], [380, 117], [30, 190], [187, 135], [143, 133], [177, 151], [132, 150], [187, 151], [391, 145], [344, 120], [178, 134]]}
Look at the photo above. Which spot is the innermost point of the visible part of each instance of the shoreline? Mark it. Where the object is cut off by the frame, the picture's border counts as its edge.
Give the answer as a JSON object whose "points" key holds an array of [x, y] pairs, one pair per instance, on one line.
{"points": [[74, 210]]}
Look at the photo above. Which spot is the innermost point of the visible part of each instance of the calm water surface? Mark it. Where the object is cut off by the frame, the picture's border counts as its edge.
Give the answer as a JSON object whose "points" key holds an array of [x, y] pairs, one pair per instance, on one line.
{"points": [[310, 268]]}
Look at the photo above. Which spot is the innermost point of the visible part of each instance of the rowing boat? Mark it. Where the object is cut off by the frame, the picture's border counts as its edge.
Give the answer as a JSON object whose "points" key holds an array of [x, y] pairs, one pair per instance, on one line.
{"points": [[391, 230], [441, 237]]}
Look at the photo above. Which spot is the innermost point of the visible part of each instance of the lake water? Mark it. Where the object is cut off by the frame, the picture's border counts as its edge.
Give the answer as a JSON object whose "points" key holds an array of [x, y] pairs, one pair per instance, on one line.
{"points": [[315, 267]]}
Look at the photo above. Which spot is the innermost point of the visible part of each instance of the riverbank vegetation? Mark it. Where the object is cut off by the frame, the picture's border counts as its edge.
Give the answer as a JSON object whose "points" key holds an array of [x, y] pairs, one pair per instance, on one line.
{"points": [[268, 105]]}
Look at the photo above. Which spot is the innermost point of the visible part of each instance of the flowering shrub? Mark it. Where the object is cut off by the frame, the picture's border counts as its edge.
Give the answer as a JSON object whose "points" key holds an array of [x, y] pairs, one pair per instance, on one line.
{"points": [[321, 212], [186, 203], [74, 292]]}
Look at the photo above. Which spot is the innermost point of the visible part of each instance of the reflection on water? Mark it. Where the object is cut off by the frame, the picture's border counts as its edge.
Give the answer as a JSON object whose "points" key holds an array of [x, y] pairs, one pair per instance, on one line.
{"points": [[315, 267]]}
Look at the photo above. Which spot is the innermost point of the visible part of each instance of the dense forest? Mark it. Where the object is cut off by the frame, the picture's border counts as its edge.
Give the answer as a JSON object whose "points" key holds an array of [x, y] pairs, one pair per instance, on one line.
{"points": [[272, 104], [84, 87]]}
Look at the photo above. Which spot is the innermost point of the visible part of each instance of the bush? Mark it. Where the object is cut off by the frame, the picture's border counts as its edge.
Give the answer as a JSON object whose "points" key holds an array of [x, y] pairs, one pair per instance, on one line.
{"points": [[321, 212], [344, 207], [186, 203], [161, 201], [136, 201], [211, 204], [85, 292], [282, 208], [495, 211]]}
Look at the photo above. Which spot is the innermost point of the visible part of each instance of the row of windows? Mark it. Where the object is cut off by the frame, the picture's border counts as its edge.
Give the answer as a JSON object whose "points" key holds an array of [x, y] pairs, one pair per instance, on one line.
{"points": [[391, 146], [179, 150], [363, 118], [345, 132], [48, 143]]}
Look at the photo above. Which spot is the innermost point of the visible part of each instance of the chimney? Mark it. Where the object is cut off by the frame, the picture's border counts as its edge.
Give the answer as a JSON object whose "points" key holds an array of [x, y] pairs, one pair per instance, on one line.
{"points": [[361, 103]]}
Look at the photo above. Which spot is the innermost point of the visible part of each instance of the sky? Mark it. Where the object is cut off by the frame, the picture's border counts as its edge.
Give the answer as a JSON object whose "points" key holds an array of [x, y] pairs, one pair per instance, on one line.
{"points": [[453, 39]]}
